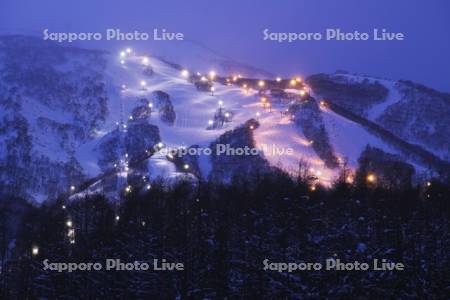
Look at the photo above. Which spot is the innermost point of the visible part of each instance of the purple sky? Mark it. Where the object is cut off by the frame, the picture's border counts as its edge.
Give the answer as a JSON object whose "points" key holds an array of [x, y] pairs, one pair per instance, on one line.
{"points": [[235, 29]]}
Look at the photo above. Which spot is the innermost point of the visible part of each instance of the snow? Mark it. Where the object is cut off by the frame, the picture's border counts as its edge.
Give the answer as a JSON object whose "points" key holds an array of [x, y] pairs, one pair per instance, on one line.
{"points": [[194, 108], [392, 98], [349, 138]]}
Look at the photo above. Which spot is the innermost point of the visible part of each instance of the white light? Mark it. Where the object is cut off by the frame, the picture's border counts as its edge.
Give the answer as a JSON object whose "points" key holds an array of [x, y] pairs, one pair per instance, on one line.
{"points": [[63, 207], [210, 122], [185, 73], [212, 74], [278, 79], [145, 60], [128, 189], [122, 54], [143, 83], [220, 103], [227, 115], [150, 105], [186, 166], [261, 83], [117, 218], [148, 186], [160, 145], [302, 93], [258, 114], [128, 50], [130, 117], [72, 188], [122, 62], [35, 250], [123, 86], [203, 78], [69, 223], [212, 89]]}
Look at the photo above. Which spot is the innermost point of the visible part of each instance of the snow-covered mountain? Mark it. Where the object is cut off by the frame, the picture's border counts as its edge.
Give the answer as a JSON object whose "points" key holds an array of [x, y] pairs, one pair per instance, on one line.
{"points": [[75, 120]]}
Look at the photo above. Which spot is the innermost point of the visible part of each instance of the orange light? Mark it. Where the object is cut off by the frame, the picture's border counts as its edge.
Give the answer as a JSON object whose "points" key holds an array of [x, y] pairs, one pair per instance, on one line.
{"points": [[298, 79], [349, 179], [371, 178], [312, 188], [293, 82], [263, 99], [261, 83]]}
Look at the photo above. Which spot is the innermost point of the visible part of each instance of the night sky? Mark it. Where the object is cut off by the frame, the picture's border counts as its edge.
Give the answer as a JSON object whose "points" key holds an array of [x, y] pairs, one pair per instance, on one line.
{"points": [[234, 28]]}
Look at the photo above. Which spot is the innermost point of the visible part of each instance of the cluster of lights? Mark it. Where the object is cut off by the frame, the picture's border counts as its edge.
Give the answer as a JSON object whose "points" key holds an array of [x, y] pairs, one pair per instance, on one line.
{"points": [[123, 54], [70, 232]]}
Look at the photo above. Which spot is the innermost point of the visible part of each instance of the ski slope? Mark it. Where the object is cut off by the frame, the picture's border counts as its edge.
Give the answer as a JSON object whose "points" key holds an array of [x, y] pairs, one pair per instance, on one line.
{"points": [[195, 108]]}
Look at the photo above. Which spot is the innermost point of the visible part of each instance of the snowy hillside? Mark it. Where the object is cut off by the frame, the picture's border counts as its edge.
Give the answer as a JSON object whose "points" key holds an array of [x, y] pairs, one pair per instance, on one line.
{"points": [[411, 111], [76, 121]]}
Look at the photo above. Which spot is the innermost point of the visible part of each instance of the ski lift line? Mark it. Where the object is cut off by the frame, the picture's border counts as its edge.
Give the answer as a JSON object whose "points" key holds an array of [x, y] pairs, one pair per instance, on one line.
{"points": [[110, 172]]}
